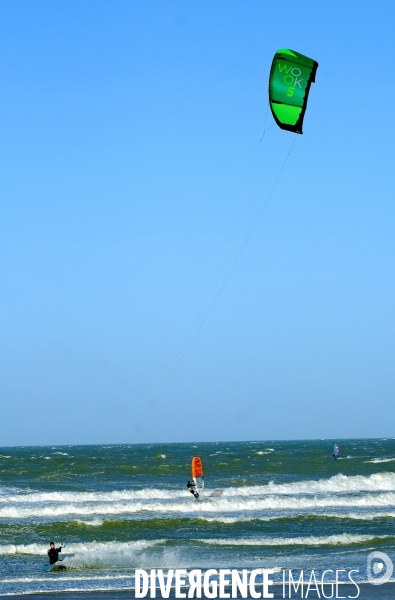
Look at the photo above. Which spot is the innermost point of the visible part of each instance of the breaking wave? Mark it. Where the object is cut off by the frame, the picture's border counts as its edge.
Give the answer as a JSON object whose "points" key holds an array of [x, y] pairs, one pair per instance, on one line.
{"points": [[344, 539], [342, 484], [217, 505], [80, 548]]}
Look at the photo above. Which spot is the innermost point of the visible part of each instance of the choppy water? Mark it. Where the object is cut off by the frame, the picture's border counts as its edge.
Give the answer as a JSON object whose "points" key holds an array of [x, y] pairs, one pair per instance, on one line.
{"points": [[266, 504]]}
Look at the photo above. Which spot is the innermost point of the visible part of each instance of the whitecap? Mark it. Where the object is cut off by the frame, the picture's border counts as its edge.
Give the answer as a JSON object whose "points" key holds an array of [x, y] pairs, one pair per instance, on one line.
{"points": [[343, 539]]}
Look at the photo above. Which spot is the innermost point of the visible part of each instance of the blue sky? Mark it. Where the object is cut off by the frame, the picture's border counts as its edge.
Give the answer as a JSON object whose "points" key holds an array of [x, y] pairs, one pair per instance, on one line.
{"points": [[130, 158]]}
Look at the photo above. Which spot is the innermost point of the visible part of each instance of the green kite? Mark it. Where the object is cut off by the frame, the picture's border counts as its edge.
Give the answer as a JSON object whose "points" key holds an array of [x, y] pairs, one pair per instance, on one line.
{"points": [[290, 78]]}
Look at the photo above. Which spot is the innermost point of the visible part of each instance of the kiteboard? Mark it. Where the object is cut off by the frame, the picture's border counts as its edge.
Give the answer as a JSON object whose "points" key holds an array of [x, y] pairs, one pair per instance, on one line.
{"points": [[55, 567]]}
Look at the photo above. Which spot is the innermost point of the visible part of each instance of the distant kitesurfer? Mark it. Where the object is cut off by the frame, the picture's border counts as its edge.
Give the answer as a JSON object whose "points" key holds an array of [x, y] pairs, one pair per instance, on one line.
{"points": [[53, 554]]}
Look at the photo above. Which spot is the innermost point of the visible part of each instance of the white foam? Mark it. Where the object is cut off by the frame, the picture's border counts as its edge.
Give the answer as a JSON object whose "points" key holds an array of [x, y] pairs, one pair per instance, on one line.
{"points": [[380, 460], [336, 484], [64, 591], [75, 497], [109, 553], [80, 548], [67, 577], [220, 505], [231, 520], [91, 523], [360, 516], [343, 539]]}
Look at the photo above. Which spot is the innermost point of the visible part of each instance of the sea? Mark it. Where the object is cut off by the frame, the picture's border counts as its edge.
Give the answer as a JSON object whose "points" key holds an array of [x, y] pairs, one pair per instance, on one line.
{"points": [[281, 505]]}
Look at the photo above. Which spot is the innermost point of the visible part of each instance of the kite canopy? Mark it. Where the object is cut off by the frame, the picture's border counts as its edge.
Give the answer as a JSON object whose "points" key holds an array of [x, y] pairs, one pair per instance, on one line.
{"points": [[197, 472], [290, 78]]}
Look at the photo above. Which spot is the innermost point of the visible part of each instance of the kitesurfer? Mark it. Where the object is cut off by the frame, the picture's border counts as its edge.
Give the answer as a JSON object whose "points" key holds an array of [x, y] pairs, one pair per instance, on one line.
{"points": [[53, 554]]}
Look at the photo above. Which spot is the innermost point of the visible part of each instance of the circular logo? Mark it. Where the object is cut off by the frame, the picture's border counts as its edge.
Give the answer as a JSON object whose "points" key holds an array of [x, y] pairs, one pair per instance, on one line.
{"points": [[376, 563]]}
